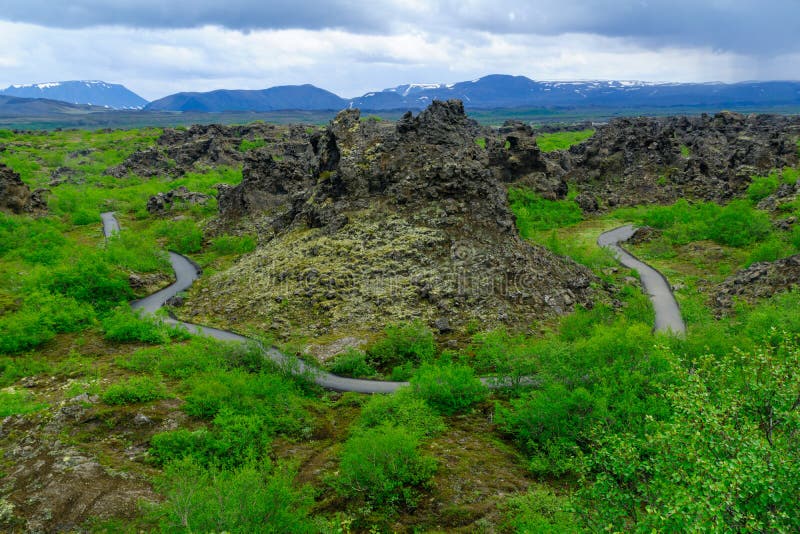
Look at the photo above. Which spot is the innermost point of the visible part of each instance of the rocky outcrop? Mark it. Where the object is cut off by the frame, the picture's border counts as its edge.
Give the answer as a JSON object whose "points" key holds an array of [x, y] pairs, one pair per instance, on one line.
{"points": [[198, 148], [373, 223], [179, 198], [760, 280], [17, 197], [644, 160]]}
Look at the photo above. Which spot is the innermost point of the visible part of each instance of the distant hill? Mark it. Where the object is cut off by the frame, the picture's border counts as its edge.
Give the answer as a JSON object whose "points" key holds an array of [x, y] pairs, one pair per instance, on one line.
{"points": [[503, 91], [88, 92], [11, 106], [497, 91], [287, 97]]}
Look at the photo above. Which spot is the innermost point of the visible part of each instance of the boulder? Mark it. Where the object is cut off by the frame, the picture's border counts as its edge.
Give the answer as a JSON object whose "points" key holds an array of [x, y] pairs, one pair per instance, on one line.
{"points": [[179, 198], [16, 197]]}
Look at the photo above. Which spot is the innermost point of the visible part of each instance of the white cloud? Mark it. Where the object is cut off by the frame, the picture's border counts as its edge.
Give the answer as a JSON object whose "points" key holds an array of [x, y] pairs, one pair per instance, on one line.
{"points": [[158, 62]]}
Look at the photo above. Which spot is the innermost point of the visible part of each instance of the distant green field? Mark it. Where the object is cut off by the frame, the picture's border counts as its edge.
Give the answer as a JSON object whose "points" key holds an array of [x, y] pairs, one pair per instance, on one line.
{"points": [[491, 117]]}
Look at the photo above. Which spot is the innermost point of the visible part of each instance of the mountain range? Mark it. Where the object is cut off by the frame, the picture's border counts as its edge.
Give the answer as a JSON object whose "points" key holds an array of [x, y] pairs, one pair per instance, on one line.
{"points": [[489, 92], [88, 92]]}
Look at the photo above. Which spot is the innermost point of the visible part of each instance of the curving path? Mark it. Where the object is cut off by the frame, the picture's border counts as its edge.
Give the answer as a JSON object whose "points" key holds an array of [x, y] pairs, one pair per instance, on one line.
{"points": [[186, 272], [668, 314]]}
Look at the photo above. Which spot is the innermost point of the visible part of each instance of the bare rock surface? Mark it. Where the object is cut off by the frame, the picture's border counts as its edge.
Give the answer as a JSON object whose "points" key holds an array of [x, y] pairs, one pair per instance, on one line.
{"points": [[760, 280], [17, 197]]}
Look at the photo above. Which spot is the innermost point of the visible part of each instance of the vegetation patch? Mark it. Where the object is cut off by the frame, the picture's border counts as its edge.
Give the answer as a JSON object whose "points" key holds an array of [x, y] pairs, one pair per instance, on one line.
{"points": [[550, 142]]}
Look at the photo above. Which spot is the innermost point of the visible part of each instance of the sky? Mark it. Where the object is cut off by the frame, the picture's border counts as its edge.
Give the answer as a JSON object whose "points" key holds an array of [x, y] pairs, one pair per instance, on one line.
{"points": [[159, 47]]}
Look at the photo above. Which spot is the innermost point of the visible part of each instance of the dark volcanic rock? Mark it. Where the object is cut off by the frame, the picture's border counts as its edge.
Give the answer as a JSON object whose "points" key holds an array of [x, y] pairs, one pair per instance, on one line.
{"points": [[640, 160], [198, 148], [760, 280], [16, 196], [177, 198], [644, 234], [401, 221]]}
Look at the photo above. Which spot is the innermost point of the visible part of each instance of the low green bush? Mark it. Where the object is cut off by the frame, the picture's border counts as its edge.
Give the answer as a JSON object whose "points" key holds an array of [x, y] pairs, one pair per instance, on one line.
{"points": [[135, 251], [539, 510], [403, 343], [533, 213], [181, 236], [269, 396], [256, 497], [401, 408], [762, 186], [199, 355], [449, 388], [135, 390], [125, 325], [89, 279], [232, 440], [384, 466], [352, 363]]}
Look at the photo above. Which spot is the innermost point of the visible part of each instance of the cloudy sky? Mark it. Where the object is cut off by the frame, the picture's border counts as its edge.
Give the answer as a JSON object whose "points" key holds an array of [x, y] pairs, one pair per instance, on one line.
{"points": [[158, 47]]}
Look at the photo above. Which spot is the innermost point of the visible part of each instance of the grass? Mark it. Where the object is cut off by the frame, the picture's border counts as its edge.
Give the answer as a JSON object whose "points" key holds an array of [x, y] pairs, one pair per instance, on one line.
{"points": [[551, 142], [18, 403], [135, 390]]}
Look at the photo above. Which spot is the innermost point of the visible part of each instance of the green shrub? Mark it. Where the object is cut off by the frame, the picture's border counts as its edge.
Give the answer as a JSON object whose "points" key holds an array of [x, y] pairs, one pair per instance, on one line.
{"points": [[256, 497], [182, 236], [83, 217], [232, 440], [352, 363], [401, 408], [449, 388], [761, 187], [133, 251], [481, 142], [89, 279], [539, 510], [134, 390], [533, 213], [23, 330], [383, 465], [125, 325], [62, 314], [769, 250], [41, 317], [272, 398], [509, 357], [200, 355], [44, 245], [227, 245], [739, 225], [405, 342], [736, 224]]}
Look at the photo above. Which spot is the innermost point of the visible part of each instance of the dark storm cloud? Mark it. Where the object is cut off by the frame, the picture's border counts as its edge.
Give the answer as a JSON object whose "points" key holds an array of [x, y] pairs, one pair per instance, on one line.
{"points": [[736, 25], [234, 14], [746, 26]]}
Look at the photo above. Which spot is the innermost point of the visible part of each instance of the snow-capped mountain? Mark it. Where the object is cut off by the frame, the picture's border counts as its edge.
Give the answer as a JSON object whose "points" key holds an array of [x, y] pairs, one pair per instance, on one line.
{"points": [[91, 92], [503, 91]]}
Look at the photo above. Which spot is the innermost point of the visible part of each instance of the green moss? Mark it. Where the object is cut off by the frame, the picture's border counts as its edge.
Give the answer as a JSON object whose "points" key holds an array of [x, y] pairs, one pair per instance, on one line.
{"points": [[481, 142], [562, 140]]}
